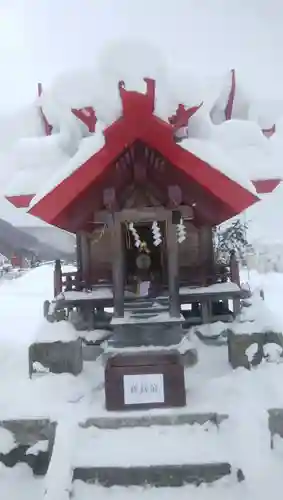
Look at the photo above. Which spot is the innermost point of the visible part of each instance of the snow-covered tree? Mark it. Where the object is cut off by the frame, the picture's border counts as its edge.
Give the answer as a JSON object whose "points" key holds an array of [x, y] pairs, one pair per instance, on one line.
{"points": [[230, 237]]}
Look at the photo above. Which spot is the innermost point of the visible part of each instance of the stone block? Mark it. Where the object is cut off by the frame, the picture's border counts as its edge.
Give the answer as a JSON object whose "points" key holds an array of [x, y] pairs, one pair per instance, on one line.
{"points": [[147, 334], [91, 352], [239, 343], [154, 475], [27, 433], [57, 357], [275, 423], [189, 357]]}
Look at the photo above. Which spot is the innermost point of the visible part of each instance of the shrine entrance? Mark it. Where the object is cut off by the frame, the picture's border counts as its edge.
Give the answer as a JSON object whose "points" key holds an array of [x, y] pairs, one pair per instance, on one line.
{"points": [[145, 261], [154, 223]]}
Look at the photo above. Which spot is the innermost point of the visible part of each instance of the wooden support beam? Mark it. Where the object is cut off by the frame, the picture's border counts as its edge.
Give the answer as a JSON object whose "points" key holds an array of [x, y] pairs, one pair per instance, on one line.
{"points": [[234, 268], [140, 173], [103, 216], [117, 267], [142, 215], [173, 267], [85, 258], [206, 206], [206, 252], [110, 199], [175, 195], [126, 195], [235, 278], [57, 278], [79, 255]]}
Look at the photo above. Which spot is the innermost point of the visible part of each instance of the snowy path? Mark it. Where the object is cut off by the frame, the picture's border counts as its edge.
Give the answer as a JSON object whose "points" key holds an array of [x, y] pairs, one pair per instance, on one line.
{"points": [[21, 304], [21, 312], [212, 386]]}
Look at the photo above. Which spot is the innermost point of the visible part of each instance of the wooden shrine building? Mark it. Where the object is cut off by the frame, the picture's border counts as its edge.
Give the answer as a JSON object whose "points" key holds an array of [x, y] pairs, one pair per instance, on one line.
{"points": [[143, 207]]}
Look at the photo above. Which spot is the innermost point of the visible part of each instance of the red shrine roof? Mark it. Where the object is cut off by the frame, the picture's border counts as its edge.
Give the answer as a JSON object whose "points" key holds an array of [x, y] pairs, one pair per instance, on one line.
{"points": [[139, 123]]}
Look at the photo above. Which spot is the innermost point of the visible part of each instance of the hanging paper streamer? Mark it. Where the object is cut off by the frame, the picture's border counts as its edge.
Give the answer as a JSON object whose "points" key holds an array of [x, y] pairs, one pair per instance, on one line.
{"points": [[135, 235], [181, 231], [157, 237]]}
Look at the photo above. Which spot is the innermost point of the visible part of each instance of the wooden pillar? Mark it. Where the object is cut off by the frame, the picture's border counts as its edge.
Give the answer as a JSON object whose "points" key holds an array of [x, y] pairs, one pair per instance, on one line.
{"points": [[57, 278], [234, 268], [235, 278], [85, 258], [206, 252], [173, 268], [79, 255], [117, 267]]}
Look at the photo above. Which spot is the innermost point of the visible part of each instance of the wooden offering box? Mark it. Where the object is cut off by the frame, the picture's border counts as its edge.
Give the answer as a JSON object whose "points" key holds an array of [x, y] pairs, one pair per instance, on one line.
{"points": [[144, 381]]}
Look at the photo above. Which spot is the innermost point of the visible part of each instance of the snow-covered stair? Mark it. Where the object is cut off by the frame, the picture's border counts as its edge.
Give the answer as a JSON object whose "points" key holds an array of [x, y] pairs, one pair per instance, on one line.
{"points": [[159, 455], [58, 480]]}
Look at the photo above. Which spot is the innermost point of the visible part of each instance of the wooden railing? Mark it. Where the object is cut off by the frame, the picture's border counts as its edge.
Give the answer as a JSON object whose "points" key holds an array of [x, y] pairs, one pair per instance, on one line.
{"points": [[71, 280], [65, 281]]}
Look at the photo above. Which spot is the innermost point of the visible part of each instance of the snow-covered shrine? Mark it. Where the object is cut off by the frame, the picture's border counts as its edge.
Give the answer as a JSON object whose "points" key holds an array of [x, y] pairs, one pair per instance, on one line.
{"points": [[141, 170], [138, 174]]}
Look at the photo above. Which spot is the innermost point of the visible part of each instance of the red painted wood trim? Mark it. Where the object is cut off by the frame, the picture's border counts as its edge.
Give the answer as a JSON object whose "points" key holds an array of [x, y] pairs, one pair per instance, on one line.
{"points": [[47, 127], [264, 186], [231, 98], [268, 132], [20, 201], [182, 116], [87, 116]]}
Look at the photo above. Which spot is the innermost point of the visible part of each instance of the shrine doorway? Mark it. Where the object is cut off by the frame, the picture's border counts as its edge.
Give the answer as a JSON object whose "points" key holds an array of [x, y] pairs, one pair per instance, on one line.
{"points": [[147, 262]]}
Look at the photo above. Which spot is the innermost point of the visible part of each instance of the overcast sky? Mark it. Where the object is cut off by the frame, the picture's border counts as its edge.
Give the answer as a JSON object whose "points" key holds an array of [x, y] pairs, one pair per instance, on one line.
{"points": [[41, 38]]}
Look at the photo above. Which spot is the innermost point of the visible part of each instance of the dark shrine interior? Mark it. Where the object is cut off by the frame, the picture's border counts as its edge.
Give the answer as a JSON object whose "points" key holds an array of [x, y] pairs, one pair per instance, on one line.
{"points": [[157, 268]]}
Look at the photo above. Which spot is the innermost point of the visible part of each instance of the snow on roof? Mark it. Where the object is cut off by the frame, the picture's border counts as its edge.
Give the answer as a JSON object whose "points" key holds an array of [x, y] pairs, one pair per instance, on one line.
{"points": [[88, 147], [32, 160], [211, 153], [265, 219], [237, 148], [24, 123], [18, 216], [266, 112]]}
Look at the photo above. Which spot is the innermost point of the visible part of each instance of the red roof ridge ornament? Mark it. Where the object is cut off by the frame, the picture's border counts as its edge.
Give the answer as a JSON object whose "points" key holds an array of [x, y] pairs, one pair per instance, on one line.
{"points": [[268, 132], [47, 127], [136, 104], [87, 116], [180, 120]]}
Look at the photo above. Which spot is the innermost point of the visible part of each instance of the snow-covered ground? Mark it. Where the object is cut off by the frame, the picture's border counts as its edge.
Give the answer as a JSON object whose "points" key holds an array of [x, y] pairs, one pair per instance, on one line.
{"points": [[211, 386]]}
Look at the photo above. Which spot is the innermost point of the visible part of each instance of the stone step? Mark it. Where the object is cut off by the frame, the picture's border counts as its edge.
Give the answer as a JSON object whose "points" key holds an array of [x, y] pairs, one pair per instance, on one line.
{"points": [[58, 480], [165, 476], [162, 455], [159, 418], [227, 491]]}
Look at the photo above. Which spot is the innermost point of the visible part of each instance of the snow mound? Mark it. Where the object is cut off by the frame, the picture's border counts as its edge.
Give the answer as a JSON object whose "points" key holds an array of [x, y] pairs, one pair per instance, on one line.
{"points": [[7, 441]]}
